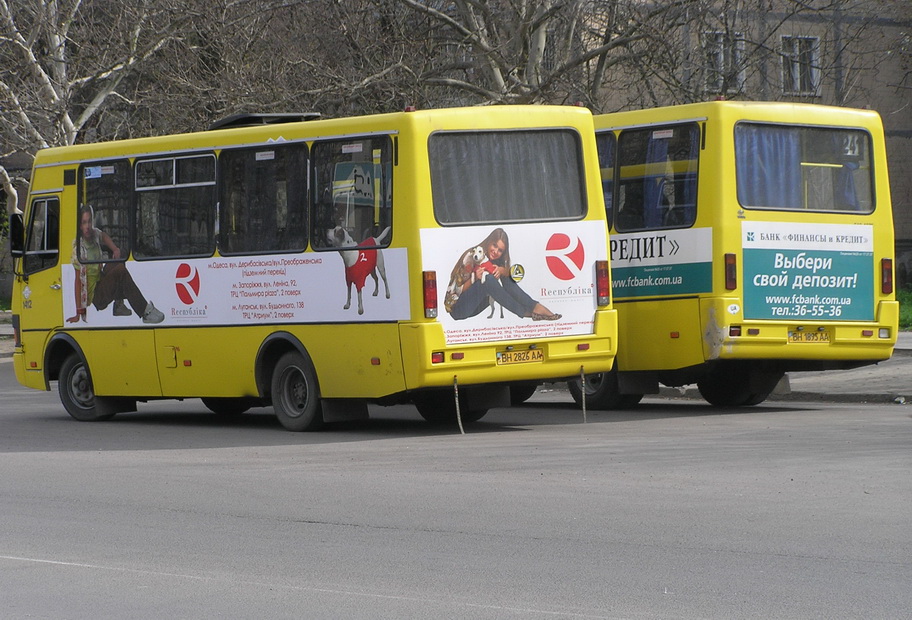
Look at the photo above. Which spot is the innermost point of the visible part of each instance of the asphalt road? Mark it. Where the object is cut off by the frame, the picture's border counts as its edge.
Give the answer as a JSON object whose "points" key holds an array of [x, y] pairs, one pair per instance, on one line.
{"points": [[786, 510]]}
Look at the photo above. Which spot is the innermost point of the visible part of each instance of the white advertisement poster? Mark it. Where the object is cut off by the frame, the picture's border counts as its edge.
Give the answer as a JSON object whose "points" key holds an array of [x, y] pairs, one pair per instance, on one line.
{"points": [[515, 281], [331, 287]]}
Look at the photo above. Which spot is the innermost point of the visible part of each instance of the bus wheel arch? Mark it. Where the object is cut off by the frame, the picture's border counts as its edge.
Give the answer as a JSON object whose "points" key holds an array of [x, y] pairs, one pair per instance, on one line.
{"points": [[59, 348]]}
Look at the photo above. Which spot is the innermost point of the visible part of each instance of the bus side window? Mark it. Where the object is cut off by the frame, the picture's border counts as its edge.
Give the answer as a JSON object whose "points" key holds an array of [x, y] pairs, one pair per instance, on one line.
{"points": [[263, 192], [43, 237], [607, 145], [175, 206], [107, 188], [352, 192], [658, 177]]}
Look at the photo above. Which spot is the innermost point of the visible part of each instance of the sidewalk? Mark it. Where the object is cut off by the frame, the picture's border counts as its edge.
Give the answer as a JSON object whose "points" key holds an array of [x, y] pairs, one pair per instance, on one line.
{"points": [[889, 381]]}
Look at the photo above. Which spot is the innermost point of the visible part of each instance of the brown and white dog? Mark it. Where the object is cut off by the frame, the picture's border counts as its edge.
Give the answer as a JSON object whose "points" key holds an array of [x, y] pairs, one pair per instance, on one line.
{"points": [[361, 260], [464, 272]]}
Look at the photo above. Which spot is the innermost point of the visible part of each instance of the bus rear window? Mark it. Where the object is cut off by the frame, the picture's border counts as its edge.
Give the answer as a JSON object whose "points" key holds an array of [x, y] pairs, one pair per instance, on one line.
{"points": [[803, 168], [507, 176]]}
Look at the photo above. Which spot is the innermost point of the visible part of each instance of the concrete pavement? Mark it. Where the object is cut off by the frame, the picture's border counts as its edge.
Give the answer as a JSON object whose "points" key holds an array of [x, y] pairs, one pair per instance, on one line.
{"points": [[889, 381]]}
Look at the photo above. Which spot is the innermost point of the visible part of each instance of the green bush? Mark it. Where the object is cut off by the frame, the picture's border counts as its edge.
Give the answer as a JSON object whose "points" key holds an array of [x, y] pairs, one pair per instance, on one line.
{"points": [[904, 296]]}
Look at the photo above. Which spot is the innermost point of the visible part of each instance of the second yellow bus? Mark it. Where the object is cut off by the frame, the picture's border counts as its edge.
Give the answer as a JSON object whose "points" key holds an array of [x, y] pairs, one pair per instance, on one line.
{"points": [[748, 240]]}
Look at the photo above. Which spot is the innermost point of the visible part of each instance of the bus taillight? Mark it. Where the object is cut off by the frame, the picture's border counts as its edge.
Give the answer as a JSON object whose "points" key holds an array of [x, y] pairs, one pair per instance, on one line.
{"points": [[430, 294], [731, 272], [602, 284], [886, 276]]}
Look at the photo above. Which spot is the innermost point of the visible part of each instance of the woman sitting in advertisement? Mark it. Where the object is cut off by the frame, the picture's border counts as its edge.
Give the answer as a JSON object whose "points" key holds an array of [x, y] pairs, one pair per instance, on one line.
{"points": [[482, 274], [99, 283]]}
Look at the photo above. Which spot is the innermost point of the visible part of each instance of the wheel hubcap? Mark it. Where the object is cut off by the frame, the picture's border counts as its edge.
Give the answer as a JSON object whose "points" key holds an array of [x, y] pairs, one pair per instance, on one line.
{"points": [[594, 383], [81, 389], [294, 392]]}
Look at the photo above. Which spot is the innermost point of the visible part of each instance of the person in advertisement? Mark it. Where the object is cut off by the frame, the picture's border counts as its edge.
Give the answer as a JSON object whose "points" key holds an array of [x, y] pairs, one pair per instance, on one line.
{"points": [[482, 274], [100, 283]]}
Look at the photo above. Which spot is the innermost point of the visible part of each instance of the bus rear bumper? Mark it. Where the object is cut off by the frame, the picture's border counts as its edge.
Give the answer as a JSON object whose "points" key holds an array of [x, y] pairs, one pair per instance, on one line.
{"points": [[430, 362], [827, 341]]}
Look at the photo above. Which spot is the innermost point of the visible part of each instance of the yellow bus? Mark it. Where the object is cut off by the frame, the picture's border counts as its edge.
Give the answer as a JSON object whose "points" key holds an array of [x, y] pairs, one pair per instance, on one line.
{"points": [[747, 240], [318, 265]]}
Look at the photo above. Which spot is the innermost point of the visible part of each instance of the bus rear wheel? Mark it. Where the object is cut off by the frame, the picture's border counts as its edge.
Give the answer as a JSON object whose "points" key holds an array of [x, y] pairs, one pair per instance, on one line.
{"points": [[295, 395], [602, 392], [738, 386], [439, 407], [76, 392], [521, 392], [227, 407]]}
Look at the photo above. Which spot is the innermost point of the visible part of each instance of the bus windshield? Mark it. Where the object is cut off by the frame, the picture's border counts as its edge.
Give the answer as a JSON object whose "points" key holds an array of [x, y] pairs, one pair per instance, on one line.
{"points": [[506, 176], [793, 168]]}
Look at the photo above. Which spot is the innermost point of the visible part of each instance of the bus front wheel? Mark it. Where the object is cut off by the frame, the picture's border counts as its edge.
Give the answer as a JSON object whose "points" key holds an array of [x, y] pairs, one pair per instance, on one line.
{"points": [[602, 392], [295, 395], [76, 393]]}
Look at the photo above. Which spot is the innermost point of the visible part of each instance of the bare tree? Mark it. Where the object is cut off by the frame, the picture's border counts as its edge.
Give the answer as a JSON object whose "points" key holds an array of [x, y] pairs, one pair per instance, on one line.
{"points": [[63, 61], [531, 51]]}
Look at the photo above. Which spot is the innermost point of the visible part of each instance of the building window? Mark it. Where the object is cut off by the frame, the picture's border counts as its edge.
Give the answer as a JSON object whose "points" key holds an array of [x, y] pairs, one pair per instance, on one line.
{"points": [[800, 65], [724, 54]]}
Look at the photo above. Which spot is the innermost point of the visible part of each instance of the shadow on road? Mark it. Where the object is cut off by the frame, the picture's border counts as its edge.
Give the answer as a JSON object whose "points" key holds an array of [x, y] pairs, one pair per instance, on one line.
{"points": [[180, 425]]}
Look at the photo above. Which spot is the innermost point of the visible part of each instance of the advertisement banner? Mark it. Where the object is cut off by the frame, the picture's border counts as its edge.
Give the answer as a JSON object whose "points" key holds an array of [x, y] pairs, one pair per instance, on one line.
{"points": [[515, 281], [661, 263], [808, 271], [285, 288]]}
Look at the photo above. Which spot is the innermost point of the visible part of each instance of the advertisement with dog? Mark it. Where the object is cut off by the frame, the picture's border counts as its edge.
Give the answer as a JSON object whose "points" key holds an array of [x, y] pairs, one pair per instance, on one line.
{"points": [[353, 285], [512, 282]]}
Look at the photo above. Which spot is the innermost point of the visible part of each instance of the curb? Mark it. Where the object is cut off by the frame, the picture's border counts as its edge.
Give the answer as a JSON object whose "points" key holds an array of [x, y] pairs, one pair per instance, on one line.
{"points": [[797, 396]]}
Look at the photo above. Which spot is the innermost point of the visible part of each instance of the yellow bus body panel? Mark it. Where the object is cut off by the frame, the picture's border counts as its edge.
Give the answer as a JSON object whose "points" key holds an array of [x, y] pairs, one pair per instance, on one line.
{"points": [[660, 336]]}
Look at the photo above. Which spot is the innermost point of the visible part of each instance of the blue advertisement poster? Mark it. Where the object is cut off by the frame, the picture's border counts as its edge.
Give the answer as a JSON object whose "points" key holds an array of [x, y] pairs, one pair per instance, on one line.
{"points": [[808, 271]]}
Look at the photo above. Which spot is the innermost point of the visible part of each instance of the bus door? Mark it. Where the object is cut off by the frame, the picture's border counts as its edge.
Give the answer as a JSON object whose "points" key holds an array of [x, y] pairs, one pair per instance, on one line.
{"points": [[40, 284], [103, 311], [661, 259]]}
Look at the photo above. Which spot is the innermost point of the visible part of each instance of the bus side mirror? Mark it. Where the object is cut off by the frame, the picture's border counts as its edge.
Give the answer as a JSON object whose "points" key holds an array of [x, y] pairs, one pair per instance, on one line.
{"points": [[16, 235]]}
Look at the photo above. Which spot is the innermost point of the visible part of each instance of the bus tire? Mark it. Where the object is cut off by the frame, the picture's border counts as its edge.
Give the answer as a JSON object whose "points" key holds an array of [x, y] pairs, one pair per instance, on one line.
{"points": [[295, 395], [736, 387], [602, 392], [227, 407], [439, 407], [76, 392], [521, 392]]}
